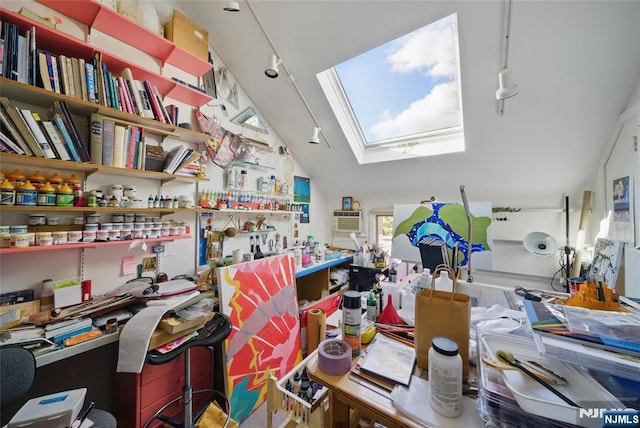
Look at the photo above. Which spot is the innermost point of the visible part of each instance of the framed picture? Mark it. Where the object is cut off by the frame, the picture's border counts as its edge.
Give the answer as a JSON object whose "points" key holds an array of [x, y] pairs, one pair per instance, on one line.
{"points": [[347, 202]]}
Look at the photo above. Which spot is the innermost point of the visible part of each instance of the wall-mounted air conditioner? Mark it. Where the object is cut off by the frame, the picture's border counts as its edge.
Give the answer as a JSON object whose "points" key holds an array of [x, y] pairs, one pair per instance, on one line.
{"points": [[346, 221]]}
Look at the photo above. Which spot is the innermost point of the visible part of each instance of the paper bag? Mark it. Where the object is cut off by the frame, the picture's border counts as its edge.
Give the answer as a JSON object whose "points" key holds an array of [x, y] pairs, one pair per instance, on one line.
{"points": [[442, 313], [214, 417]]}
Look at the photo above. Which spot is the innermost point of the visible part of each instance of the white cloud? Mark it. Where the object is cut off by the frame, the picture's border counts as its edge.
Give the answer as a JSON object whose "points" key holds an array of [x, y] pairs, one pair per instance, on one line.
{"points": [[436, 110], [428, 49]]}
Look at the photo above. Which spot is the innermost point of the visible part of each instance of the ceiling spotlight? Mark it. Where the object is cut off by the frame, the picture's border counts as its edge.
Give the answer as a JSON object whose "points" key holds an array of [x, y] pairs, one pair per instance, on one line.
{"points": [[272, 66], [506, 88], [232, 6], [315, 136]]}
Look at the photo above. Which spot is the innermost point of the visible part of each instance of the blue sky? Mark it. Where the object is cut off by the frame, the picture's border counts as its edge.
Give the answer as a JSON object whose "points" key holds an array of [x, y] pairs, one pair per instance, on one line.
{"points": [[406, 86]]}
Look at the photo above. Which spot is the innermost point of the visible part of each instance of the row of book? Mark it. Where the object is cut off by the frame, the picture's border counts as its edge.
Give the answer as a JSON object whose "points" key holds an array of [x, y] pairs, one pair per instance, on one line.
{"points": [[86, 79], [182, 160], [116, 144], [24, 132]]}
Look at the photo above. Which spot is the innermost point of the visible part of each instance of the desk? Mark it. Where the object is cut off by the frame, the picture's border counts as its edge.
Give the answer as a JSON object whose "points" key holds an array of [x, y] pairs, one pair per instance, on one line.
{"points": [[312, 280], [345, 393]]}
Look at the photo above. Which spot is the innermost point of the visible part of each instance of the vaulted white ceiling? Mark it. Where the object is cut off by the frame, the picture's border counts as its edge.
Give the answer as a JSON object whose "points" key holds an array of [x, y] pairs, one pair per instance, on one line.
{"points": [[577, 64]]}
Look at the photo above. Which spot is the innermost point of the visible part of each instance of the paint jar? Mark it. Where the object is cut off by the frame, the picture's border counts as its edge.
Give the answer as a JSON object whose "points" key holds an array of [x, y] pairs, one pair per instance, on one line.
{"points": [[137, 233], [114, 235], [146, 232], [106, 226], [5, 230], [18, 228], [64, 196], [88, 235], [44, 238], [53, 221], [351, 316], [117, 191], [138, 225], [102, 235], [19, 240], [164, 231], [37, 179], [140, 218], [125, 234], [5, 240], [130, 191], [111, 326], [16, 178], [117, 217], [129, 217], [93, 219], [182, 230], [78, 221], [92, 199], [74, 236], [127, 225], [60, 237], [173, 231], [7, 193], [91, 226], [445, 377], [56, 180], [26, 195], [37, 219]]}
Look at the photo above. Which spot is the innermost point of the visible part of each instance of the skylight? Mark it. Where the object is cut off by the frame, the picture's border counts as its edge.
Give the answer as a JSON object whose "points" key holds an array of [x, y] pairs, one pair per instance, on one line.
{"points": [[402, 99]]}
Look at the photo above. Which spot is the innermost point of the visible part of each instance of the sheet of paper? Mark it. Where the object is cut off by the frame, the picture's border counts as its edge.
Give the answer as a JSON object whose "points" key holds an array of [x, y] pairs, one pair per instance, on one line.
{"points": [[129, 265], [136, 333]]}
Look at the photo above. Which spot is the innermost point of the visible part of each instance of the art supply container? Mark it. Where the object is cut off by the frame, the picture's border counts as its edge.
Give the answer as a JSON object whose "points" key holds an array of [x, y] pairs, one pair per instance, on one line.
{"points": [[37, 219], [74, 236], [37, 179], [88, 235], [44, 239], [64, 196], [7, 193], [60, 237], [351, 316], [445, 377], [56, 180], [26, 195]]}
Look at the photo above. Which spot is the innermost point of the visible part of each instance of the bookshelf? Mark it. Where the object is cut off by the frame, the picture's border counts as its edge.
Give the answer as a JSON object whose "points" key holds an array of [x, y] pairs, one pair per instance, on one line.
{"points": [[55, 41], [95, 15]]}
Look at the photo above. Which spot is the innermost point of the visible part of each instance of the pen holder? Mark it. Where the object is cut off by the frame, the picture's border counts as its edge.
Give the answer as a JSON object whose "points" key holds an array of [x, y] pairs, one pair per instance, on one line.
{"points": [[594, 296]]}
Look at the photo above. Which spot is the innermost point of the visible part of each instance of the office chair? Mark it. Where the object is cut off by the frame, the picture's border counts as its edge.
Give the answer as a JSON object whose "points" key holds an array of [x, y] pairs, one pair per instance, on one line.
{"points": [[17, 373], [212, 334]]}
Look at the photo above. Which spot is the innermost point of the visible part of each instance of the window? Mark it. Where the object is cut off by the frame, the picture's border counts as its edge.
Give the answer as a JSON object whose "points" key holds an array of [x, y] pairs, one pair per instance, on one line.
{"points": [[384, 231], [402, 99]]}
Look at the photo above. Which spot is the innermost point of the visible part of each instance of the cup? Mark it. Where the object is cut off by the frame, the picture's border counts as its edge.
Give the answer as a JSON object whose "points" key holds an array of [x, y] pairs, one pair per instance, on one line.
{"points": [[237, 256], [247, 257]]}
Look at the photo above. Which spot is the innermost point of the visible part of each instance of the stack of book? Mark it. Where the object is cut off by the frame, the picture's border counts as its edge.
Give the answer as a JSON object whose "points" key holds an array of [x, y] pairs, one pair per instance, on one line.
{"points": [[23, 131], [182, 160], [607, 341], [60, 331]]}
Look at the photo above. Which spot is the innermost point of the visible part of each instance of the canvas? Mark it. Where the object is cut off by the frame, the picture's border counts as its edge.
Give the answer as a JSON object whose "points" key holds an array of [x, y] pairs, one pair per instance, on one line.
{"points": [[260, 299]]}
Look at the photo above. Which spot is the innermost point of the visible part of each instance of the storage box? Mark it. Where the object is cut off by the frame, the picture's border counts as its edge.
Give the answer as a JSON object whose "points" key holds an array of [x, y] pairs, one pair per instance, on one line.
{"points": [[67, 293], [50, 411], [298, 411], [186, 34]]}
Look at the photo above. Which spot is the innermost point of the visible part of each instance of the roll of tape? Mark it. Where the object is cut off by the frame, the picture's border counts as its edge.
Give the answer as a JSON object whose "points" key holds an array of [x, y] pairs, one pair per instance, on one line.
{"points": [[334, 357]]}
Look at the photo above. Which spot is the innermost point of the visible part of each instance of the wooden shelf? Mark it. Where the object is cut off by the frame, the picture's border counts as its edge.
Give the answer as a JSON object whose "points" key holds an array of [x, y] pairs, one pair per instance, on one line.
{"points": [[79, 245], [90, 168], [57, 42], [95, 15]]}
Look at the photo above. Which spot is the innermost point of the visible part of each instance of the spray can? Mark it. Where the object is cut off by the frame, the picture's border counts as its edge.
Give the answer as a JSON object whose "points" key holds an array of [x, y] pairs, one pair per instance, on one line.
{"points": [[351, 316]]}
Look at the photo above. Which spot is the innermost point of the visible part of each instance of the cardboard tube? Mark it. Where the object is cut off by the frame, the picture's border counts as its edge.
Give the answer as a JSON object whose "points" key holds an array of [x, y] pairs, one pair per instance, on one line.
{"points": [[316, 328]]}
